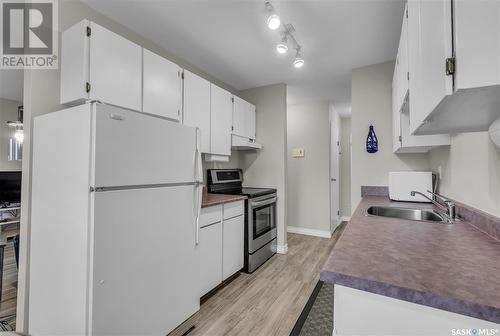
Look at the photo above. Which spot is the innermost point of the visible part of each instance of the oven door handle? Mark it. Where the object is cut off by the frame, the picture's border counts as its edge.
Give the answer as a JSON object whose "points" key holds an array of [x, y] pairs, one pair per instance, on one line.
{"points": [[265, 202]]}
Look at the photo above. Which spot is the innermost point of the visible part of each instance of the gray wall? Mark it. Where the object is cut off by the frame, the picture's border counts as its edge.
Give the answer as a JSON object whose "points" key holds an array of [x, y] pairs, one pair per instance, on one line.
{"points": [[8, 112], [308, 127], [470, 171], [268, 166], [372, 104], [41, 95], [345, 167]]}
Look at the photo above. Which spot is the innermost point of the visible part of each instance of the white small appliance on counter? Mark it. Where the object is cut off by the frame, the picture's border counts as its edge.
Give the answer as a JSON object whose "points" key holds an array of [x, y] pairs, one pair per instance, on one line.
{"points": [[402, 183]]}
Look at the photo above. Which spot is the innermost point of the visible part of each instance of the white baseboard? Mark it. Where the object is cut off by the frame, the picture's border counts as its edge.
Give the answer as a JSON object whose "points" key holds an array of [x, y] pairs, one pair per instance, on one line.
{"points": [[345, 218], [282, 249], [310, 232]]}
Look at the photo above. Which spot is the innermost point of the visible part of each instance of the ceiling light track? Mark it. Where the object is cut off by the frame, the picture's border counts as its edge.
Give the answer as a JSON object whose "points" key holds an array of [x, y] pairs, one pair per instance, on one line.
{"points": [[287, 34]]}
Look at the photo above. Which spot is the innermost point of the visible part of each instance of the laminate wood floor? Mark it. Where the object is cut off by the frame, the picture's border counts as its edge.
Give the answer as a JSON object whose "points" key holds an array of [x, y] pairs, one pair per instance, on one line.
{"points": [[268, 301], [9, 287]]}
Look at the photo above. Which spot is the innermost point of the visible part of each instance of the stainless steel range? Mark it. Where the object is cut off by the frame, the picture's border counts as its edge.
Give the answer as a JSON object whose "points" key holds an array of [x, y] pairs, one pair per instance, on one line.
{"points": [[260, 214]]}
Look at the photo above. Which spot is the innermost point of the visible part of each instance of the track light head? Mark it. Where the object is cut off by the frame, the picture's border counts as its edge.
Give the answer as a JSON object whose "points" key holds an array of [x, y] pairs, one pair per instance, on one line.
{"points": [[282, 47], [273, 20], [299, 61]]}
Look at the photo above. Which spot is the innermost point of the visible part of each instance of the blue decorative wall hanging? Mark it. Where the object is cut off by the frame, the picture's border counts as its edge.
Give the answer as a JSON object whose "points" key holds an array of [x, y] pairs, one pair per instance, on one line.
{"points": [[371, 141]]}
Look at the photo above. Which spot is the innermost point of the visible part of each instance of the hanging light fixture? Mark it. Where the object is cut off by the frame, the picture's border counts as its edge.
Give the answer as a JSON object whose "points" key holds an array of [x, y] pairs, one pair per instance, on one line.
{"points": [[273, 20], [282, 47], [16, 141]]}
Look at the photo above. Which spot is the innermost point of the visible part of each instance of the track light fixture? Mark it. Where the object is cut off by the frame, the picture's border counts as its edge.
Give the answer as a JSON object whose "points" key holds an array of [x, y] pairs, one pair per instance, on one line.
{"points": [[273, 22]]}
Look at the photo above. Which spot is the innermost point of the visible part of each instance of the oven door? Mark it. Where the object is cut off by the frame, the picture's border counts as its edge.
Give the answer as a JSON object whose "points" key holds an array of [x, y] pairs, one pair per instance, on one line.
{"points": [[261, 221]]}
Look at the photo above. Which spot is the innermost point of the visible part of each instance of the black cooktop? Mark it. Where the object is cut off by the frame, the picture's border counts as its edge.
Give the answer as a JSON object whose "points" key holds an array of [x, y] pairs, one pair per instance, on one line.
{"points": [[246, 191]]}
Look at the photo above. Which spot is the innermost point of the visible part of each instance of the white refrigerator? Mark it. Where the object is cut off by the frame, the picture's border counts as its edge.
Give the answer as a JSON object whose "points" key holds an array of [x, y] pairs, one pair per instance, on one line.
{"points": [[116, 198]]}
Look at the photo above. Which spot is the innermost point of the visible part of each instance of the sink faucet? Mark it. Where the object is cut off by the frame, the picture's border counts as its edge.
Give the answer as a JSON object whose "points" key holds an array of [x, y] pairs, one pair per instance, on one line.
{"points": [[448, 208]]}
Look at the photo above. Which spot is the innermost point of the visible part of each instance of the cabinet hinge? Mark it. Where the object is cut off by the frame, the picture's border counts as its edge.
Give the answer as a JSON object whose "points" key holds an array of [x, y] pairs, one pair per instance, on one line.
{"points": [[400, 138], [407, 13], [232, 128], [87, 87], [338, 213], [89, 31], [450, 66], [182, 75], [408, 75], [338, 143], [232, 99]]}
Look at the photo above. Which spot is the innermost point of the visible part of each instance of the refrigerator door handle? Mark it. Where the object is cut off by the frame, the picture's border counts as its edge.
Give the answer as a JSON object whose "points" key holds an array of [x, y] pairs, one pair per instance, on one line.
{"points": [[199, 165], [198, 186], [199, 192]]}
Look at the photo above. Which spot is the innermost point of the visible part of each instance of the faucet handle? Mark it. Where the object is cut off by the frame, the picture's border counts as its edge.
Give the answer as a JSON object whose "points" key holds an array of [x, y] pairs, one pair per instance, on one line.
{"points": [[441, 198]]}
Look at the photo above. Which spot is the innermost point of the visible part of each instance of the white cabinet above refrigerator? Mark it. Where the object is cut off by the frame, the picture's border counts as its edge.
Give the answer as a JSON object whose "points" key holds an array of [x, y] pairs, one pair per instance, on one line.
{"points": [[162, 87], [97, 64]]}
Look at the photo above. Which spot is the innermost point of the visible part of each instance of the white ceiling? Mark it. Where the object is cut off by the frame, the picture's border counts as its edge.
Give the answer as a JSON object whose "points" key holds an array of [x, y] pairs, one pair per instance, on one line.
{"points": [[230, 40], [11, 84]]}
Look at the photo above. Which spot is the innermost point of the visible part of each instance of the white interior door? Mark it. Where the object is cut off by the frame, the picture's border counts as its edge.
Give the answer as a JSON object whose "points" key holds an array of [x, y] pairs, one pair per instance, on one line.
{"points": [[115, 69], [145, 263], [334, 175], [134, 149]]}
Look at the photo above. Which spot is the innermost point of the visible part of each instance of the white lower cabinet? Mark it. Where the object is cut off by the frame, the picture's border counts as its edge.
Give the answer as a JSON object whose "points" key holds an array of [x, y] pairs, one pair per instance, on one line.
{"points": [[221, 244], [233, 242], [210, 257]]}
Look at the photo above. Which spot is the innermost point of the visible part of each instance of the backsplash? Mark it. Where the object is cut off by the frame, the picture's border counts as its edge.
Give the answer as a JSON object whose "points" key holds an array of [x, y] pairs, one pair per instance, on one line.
{"points": [[374, 191]]}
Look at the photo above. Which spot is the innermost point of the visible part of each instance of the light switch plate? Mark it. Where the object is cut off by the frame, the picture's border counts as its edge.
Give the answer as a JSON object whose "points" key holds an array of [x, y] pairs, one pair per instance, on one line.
{"points": [[298, 153]]}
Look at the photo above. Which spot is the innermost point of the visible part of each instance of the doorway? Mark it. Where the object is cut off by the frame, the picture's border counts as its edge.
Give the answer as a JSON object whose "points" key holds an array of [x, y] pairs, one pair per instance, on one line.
{"points": [[11, 156], [334, 169]]}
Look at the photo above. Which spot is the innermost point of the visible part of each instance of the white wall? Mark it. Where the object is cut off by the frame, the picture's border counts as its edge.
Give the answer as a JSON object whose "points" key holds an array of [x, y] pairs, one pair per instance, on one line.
{"points": [[372, 104], [470, 171], [308, 127], [345, 167], [41, 95], [268, 167], [8, 112]]}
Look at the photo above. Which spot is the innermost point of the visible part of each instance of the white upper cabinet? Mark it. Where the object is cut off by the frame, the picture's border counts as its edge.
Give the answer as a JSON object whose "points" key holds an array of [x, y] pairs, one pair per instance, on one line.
{"points": [[396, 112], [403, 106], [162, 86], [402, 63], [243, 118], [98, 64], [430, 44], [197, 106], [455, 55], [221, 120]]}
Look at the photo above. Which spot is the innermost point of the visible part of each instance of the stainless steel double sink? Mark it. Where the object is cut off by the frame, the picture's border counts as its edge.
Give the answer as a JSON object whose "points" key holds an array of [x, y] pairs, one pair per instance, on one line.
{"points": [[421, 215]]}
